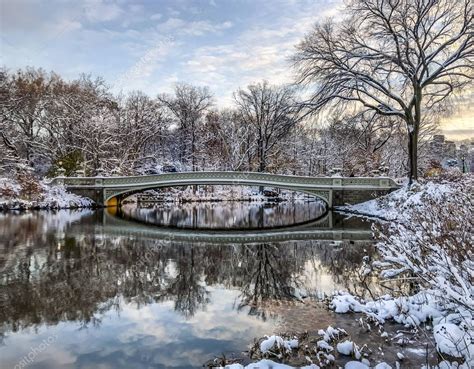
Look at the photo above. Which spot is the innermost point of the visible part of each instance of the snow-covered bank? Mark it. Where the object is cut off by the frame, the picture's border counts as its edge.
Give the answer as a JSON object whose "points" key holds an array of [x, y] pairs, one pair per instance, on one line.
{"points": [[383, 347], [337, 348], [399, 205], [427, 244], [452, 327], [44, 197]]}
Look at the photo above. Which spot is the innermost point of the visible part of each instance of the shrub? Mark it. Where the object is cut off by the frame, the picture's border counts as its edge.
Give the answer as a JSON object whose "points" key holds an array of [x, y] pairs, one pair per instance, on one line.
{"points": [[30, 188], [434, 244]]}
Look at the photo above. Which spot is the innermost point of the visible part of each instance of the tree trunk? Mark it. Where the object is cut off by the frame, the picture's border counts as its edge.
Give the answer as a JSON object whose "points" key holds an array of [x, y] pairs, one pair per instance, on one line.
{"points": [[193, 148], [262, 162], [413, 130], [413, 155]]}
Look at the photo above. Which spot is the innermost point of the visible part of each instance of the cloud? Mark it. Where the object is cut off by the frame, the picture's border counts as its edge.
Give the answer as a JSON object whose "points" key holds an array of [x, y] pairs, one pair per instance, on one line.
{"points": [[256, 54], [102, 10], [67, 25], [137, 76], [156, 16], [29, 17], [179, 26], [262, 49]]}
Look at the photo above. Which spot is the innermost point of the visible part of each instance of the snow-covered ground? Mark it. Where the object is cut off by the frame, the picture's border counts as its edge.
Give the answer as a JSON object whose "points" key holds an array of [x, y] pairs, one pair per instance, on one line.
{"points": [[336, 348], [429, 241], [322, 351], [266, 364], [453, 331], [399, 204], [50, 197]]}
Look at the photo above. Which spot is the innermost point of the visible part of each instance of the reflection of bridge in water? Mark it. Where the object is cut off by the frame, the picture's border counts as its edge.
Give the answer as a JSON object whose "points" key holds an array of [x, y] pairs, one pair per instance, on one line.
{"points": [[323, 229]]}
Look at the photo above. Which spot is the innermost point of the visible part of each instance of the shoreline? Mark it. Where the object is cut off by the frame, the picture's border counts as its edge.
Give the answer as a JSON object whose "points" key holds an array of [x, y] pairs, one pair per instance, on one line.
{"points": [[21, 205]]}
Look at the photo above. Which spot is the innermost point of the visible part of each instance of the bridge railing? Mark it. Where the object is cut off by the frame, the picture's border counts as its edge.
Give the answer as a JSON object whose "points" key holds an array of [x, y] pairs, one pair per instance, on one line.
{"points": [[234, 178]]}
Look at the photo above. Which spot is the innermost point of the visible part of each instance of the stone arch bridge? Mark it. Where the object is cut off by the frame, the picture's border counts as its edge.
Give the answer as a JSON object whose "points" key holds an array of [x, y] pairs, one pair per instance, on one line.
{"points": [[335, 191]]}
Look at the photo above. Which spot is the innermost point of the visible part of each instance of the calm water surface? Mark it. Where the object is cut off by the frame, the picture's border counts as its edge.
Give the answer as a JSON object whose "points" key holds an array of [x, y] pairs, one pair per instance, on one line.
{"points": [[163, 287]]}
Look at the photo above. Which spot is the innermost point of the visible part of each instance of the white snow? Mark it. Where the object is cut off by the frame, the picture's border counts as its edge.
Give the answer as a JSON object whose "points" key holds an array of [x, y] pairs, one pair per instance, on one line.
{"points": [[452, 340], [56, 197], [51, 197], [267, 364], [346, 347], [279, 343], [382, 366], [453, 333], [448, 365], [429, 239], [331, 333], [410, 311], [324, 346], [355, 365], [398, 204], [345, 302]]}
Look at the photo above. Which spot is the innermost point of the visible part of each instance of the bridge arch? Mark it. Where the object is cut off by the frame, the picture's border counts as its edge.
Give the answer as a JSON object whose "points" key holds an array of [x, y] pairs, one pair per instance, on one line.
{"points": [[113, 197]]}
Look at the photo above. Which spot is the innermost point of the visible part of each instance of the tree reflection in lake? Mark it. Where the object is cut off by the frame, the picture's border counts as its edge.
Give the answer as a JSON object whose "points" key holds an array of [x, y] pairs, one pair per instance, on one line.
{"points": [[63, 267], [226, 215]]}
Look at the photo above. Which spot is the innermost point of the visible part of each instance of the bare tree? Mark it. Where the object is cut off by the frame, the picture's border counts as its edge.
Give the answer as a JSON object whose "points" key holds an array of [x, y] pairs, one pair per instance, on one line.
{"points": [[98, 139], [398, 58], [188, 106], [24, 100], [143, 126], [234, 135], [269, 110]]}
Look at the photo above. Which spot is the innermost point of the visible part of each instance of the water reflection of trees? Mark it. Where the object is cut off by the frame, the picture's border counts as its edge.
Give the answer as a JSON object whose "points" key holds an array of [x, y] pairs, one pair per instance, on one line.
{"points": [[53, 277], [227, 214], [269, 272]]}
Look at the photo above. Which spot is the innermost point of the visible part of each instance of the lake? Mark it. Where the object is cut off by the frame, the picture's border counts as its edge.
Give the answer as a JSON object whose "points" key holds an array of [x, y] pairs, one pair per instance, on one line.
{"points": [[169, 286]]}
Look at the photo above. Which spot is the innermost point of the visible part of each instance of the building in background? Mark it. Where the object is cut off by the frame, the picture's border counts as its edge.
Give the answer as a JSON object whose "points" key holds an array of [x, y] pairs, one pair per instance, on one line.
{"points": [[450, 154]]}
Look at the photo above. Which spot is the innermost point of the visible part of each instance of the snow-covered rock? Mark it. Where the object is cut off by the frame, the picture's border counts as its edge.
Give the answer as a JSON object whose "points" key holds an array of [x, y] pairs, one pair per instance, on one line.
{"points": [[277, 342], [382, 366], [449, 365], [331, 333], [355, 365], [345, 303], [323, 345], [346, 347], [452, 340]]}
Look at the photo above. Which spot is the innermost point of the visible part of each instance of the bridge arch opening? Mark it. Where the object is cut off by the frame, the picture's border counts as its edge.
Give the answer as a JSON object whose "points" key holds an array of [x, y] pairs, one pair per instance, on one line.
{"points": [[116, 198]]}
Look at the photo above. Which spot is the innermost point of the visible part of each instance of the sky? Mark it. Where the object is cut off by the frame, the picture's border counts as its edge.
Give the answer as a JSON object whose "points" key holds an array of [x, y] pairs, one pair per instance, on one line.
{"points": [[150, 45]]}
